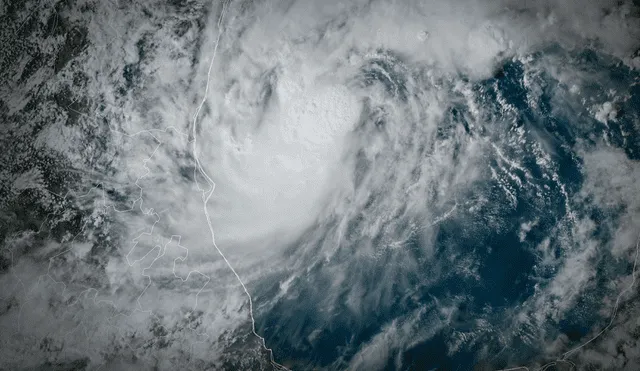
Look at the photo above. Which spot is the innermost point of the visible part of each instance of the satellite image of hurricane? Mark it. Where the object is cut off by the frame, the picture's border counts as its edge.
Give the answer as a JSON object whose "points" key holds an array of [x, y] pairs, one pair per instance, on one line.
{"points": [[319, 185]]}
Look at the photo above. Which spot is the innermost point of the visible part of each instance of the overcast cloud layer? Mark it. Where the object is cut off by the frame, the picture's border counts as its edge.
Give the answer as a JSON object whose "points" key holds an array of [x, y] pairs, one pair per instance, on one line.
{"points": [[195, 183]]}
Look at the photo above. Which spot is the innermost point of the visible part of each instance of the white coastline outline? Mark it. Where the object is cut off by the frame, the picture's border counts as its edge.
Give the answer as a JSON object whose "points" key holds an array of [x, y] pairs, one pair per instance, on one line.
{"points": [[206, 195]]}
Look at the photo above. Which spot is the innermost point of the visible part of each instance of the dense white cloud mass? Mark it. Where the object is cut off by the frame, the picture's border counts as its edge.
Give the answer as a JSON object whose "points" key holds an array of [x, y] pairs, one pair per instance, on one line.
{"points": [[358, 153]]}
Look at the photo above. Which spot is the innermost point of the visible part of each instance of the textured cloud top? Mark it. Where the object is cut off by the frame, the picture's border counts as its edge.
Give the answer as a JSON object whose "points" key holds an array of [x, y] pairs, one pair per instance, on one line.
{"points": [[246, 185]]}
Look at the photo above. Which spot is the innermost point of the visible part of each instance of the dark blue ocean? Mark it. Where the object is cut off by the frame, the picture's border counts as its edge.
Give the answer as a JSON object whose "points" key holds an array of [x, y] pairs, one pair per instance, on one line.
{"points": [[508, 268]]}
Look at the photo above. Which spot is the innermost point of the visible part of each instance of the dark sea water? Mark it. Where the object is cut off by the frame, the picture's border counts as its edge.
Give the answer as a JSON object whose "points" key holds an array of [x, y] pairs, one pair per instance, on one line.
{"points": [[508, 265]]}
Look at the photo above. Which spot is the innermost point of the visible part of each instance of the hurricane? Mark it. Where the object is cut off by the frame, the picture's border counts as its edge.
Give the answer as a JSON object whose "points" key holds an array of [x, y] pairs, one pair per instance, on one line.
{"points": [[319, 185]]}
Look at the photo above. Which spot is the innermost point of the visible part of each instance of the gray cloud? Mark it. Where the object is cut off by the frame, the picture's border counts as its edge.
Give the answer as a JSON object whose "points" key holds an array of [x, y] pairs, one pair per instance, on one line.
{"points": [[321, 172]]}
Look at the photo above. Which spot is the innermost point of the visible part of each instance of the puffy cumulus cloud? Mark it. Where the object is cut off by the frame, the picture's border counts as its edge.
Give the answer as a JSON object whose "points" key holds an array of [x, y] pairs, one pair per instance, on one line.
{"points": [[617, 349], [584, 280], [612, 181]]}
